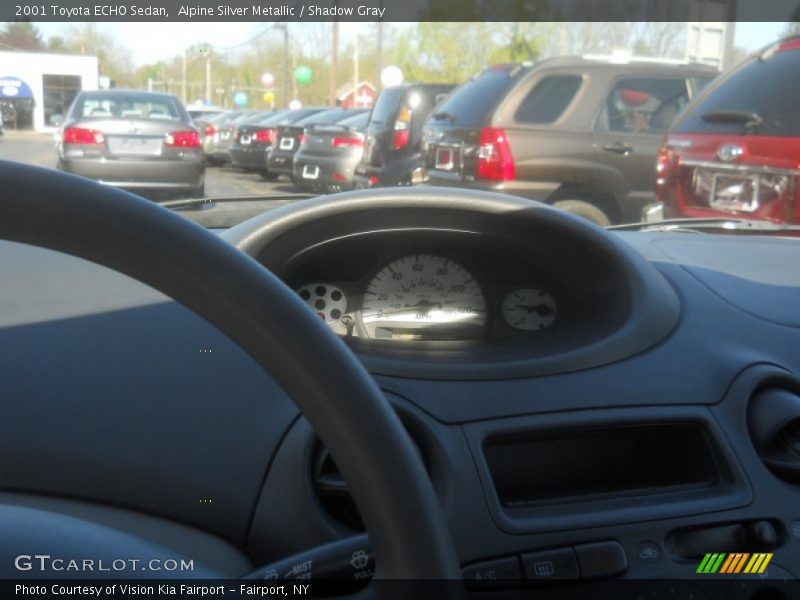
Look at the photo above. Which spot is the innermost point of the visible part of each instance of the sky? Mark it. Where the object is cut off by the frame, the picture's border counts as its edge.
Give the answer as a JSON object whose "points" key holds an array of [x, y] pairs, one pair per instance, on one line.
{"points": [[166, 40]]}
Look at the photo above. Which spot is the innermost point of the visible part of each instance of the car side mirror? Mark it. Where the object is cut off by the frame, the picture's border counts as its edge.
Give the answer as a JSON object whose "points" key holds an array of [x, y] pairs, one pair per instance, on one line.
{"points": [[56, 120]]}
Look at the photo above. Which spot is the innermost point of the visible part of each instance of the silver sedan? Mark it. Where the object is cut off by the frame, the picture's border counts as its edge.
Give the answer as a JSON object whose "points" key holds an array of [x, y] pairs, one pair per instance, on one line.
{"points": [[134, 140]]}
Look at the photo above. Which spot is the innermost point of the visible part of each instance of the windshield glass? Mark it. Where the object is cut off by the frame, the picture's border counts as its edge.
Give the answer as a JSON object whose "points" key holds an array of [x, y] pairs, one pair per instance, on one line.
{"points": [[580, 115]]}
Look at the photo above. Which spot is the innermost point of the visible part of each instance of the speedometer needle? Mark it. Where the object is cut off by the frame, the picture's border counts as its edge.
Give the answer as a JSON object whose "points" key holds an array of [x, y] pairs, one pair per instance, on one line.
{"points": [[539, 309]]}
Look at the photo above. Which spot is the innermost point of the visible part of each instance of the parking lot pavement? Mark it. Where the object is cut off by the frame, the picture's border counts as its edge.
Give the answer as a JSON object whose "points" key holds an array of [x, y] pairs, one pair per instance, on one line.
{"points": [[38, 149]]}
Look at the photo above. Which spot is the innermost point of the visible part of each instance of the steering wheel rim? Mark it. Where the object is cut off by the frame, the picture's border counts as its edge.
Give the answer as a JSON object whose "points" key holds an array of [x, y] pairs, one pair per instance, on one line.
{"points": [[229, 289]]}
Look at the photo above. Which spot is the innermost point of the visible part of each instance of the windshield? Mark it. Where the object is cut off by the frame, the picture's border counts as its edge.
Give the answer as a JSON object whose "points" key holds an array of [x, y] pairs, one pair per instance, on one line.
{"points": [[576, 114]]}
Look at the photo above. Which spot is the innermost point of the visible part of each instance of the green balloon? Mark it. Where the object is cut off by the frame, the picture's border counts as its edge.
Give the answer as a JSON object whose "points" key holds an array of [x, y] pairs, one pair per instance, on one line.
{"points": [[302, 75]]}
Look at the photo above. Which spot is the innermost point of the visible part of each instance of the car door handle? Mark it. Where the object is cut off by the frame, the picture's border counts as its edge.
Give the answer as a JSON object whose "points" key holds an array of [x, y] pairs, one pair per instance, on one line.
{"points": [[618, 148]]}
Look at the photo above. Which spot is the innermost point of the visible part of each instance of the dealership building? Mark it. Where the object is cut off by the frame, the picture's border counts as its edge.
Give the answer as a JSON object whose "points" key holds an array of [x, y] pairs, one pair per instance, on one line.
{"points": [[36, 86]]}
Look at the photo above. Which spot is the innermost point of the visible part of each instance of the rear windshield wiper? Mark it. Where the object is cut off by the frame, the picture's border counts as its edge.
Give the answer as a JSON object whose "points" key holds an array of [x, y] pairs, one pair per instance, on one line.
{"points": [[195, 202], [442, 116], [749, 118]]}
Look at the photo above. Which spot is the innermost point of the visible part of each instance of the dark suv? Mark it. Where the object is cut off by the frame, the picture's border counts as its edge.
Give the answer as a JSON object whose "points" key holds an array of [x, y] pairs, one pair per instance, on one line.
{"points": [[392, 147], [582, 134], [736, 149]]}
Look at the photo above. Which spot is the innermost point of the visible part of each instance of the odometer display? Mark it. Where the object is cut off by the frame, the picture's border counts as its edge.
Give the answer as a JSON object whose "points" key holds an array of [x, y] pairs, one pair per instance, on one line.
{"points": [[423, 297]]}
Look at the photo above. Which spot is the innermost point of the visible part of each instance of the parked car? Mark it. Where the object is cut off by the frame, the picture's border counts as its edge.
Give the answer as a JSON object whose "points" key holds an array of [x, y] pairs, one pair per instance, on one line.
{"points": [[132, 139], [228, 131], [255, 137], [281, 157], [581, 134], [328, 155], [392, 152], [736, 149], [211, 132], [204, 112]]}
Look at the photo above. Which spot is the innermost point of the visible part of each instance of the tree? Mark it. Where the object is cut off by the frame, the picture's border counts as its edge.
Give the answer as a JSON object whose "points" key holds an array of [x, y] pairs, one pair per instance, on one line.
{"points": [[22, 36]]}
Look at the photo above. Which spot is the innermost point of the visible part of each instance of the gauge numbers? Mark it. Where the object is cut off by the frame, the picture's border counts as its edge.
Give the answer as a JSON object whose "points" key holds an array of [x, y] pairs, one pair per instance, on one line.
{"points": [[529, 309], [423, 297]]}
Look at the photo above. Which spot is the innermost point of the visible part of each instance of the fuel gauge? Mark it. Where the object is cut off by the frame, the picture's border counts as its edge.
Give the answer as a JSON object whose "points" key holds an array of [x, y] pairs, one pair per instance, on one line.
{"points": [[529, 309]]}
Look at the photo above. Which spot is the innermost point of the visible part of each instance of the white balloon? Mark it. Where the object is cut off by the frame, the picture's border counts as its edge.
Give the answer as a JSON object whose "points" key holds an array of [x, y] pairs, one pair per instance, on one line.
{"points": [[391, 76], [267, 79], [295, 104]]}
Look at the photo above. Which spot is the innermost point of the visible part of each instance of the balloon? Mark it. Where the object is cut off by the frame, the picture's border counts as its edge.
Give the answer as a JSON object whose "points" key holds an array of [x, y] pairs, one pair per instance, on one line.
{"points": [[269, 97], [295, 104], [240, 99], [391, 76], [267, 79], [302, 75]]}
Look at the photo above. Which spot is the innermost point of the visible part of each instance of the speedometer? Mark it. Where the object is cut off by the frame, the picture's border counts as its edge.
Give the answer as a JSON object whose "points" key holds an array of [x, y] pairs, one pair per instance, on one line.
{"points": [[423, 297]]}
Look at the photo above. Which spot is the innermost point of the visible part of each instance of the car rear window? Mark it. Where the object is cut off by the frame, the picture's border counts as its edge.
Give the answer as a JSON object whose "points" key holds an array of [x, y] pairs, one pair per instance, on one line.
{"points": [[768, 87], [326, 117], [469, 105], [356, 122], [128, 106], [549, 98]]}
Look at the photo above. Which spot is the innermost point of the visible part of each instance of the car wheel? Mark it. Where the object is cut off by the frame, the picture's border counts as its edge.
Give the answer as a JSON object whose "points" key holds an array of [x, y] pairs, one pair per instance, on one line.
{"points": [[586, 210]]}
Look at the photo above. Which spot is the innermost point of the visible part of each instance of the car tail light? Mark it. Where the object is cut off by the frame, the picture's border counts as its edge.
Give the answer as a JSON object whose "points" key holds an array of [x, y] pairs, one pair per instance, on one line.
{"points": [[494, 155], [302, 138], [79, 135], [663, 166], [265, 136], [210, 130], [347, 142], [183, 139], [402, 126], [338, 177], [793, 44]]}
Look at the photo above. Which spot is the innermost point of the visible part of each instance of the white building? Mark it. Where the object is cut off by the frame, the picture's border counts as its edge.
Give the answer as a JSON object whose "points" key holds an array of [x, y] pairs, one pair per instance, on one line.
{"points": [[36, 86]]}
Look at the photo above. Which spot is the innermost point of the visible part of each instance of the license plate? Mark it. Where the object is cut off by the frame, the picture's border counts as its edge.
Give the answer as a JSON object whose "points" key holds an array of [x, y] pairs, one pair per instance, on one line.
{"points": [[135, 146], [310, 171], [735, 192], [445, 159], [287, 143], [245, 139]]}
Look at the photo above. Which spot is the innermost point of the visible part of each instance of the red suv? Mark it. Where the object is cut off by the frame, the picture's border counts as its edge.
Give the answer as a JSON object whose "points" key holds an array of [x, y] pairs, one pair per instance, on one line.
{"points": [[735, 150]]}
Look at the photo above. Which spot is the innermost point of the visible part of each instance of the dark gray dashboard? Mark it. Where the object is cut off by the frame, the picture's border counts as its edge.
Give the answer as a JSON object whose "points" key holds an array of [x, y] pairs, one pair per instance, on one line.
{"points": [[105, 380]]}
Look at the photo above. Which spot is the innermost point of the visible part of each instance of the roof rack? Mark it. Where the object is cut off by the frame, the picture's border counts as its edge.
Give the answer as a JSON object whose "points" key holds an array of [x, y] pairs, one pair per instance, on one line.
{"points": [[624, 58]]}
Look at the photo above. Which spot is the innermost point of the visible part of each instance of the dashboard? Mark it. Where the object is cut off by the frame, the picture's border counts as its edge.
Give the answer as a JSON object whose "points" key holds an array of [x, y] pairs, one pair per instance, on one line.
{"points": [[573, 392]]}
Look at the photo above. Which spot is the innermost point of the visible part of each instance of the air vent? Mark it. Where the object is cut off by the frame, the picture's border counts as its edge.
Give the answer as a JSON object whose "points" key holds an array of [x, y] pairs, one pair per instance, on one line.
{"points": [[331, 488], [332, 492], [774, 421]]}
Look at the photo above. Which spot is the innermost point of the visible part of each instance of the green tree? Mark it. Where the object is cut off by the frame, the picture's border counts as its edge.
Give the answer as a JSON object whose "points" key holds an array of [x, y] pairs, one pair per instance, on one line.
{"points": [[22, 36]]}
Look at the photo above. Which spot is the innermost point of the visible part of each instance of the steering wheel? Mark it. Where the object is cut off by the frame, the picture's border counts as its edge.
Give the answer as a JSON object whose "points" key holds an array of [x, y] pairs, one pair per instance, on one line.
{"points": [[135, 237]]}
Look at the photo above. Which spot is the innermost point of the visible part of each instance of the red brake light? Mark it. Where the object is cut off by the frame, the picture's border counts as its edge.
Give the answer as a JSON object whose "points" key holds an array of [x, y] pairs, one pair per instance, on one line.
{"points": [[302, 138], [400, 138], [345, 142], [210, 130], [183, 139], [79, 135], [494, 155], [265, 136], [793, 44]]}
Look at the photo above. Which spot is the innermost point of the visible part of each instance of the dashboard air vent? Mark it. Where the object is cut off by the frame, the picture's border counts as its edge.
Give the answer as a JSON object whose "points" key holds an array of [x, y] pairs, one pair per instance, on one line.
{"points": [[774, 422], [331, 488]]}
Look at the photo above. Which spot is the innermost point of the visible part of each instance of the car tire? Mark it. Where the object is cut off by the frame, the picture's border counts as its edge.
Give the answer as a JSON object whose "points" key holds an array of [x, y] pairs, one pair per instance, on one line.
{"points": [[584, 209], [268, 176], [198, 192]]}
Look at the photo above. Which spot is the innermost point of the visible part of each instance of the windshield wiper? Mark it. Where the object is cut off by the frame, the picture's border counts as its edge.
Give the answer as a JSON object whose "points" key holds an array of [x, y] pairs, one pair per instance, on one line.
{"points": [[749, 118], [192, 202], [442, 116], [719, 225]]}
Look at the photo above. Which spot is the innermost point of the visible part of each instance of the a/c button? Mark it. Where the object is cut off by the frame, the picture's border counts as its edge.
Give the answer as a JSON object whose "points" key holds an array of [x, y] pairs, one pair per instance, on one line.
{"points": [[499, 573]]}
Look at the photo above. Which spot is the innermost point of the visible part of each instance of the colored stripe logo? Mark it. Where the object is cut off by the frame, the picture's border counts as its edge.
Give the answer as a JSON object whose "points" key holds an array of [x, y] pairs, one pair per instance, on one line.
{"points": [[734, 563]]}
